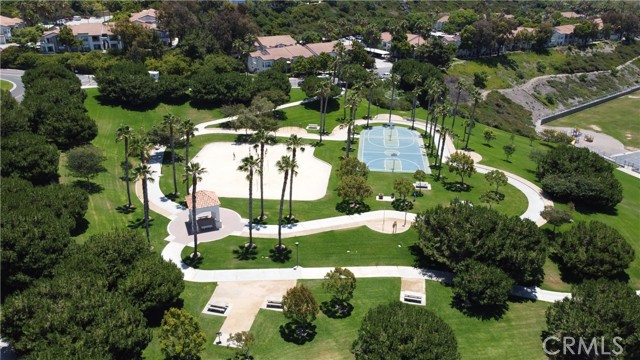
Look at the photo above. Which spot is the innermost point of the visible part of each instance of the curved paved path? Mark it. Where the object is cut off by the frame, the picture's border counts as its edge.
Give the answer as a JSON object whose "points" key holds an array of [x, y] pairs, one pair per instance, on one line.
{"points": [[172, 252]]}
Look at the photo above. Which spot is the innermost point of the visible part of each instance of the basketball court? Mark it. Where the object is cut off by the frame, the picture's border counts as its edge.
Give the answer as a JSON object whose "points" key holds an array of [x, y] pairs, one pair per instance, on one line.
{"points": [[391, 148]]}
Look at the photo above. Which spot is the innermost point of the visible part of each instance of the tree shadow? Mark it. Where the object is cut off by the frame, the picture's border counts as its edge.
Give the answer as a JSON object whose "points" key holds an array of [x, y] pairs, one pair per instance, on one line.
{"points": [[126, 209], [493, 312], [336, 308], [244, 253], [456, 186], [243, 138], [290, 220], [194, 263], [81, 227], [89, 186], [350, 208], [139, 223], [280, 115], [487, 145], [139, 108], [298, 334], [280, 255]]}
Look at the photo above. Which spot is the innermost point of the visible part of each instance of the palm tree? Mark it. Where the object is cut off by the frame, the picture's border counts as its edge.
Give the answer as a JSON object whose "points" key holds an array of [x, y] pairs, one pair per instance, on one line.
{"points": [[394, 79], [445, 109], [140, 146], [415, 79], [194, 171], [172, 121], [371, 82], [188, 129], [475, 95], [293, 144], [144, 173], [250, 165], [438, 95], [323, 92], [352, 103], [124, 133], [284, 165], [429, 87], [340, 52], [443, 134], [261, 138], [459, 86]]}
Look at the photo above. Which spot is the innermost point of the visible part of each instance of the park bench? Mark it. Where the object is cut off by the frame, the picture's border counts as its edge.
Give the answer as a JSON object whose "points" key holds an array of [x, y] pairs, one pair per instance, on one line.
{"points": [[220, 309], [274, 304], [413, 299], [421, 185]]}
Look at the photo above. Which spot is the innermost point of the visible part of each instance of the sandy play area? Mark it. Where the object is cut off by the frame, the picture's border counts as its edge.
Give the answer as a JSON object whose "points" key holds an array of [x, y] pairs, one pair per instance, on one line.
{"points": [[221, 159]]}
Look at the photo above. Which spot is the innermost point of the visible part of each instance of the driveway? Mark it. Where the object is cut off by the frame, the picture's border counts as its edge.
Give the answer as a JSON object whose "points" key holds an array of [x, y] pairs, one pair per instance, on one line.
{"points": [[15, 76]]}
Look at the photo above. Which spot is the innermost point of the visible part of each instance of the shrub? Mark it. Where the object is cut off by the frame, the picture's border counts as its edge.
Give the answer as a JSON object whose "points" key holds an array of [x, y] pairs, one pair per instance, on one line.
{"points": [[480, 79]]}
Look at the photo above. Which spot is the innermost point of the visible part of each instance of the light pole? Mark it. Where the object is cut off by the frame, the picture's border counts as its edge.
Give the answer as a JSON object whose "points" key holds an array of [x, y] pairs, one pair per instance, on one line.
{"points": [[297, 255]]}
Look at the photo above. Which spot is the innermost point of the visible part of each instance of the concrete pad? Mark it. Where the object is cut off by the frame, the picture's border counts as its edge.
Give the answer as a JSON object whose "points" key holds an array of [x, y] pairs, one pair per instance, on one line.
{"points": [[386, 226], [413, 288], [180, 228], [221, 159], [245, 299]]}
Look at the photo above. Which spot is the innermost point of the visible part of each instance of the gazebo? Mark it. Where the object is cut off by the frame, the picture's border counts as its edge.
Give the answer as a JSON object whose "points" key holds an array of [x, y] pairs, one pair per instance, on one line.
{"points": [[207, 210]]}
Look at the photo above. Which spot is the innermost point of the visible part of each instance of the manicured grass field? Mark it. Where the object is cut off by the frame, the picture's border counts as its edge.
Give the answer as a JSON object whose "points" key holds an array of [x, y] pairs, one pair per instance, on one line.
{"points": [[355, 247], [5, 85], [618, 118], [516, 335], [296, 94]]}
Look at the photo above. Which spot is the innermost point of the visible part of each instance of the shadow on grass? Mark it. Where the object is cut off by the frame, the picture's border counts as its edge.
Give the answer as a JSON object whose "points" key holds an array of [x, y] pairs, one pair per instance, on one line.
{"points": [[336, 309], [244, 253], [493, 312], [104, 101], [139, 223], [88, 186], [456, 186], [350, 208], [280, 255], [81, 227], [487, 145], [126, 209], [298, 334], [194, 263]]}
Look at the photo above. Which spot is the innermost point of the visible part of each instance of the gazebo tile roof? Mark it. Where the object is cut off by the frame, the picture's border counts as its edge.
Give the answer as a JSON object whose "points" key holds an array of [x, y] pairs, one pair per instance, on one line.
{"points": [[204, 199]]}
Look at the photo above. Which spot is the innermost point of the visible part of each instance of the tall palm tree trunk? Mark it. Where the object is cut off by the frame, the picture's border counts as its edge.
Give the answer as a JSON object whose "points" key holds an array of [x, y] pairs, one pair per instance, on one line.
{"points": [[322, 100], [284, 190], [262, 181], [413, 113], [145, 198], [473, 114], [173, 160], [426, 123], [251, 209], [346, 155], [346, 91], [194, 223], [443, 135], [293, 159], [126, 170], [369, 106], [186, 159]]}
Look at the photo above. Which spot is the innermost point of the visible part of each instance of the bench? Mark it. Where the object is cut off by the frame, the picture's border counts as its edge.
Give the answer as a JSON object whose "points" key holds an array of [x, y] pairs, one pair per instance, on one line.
{"points": [[208, 226], [220, 309], [413, 299], [313, 127], [274, 304]]}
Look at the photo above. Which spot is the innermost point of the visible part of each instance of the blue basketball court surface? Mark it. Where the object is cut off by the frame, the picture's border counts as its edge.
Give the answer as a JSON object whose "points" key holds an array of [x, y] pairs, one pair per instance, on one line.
{"points": [[392, 149]]}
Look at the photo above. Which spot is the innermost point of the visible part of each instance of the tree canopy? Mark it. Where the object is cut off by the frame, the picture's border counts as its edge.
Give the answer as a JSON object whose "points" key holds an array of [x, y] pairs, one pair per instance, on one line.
{"points": [[85, 161], [579, 175], [29, 156], [594, 249], [601, 309], [401, 331], [483, 285], [127, 83], [341, 283], [299, 305], [450, 235], [181, 336]]}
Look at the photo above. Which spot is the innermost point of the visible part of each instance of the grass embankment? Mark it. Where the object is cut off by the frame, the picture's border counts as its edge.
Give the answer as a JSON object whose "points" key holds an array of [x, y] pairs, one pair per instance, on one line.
{"points": [[516, 335], [5, 85], [516, 68], [613, 118]]}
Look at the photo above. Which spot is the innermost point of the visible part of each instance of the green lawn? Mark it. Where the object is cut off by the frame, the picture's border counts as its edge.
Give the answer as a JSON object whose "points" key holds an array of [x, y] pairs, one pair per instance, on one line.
{"points": [[296, 94], [615, 118], [355, 247], [516, 335], [331, 151], [5, 85]]}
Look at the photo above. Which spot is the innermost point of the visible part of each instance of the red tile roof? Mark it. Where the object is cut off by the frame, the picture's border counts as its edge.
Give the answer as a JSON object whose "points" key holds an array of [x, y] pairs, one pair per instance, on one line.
{"points": [[275, 41], [564, 29], [7, 21], [204, 199]]}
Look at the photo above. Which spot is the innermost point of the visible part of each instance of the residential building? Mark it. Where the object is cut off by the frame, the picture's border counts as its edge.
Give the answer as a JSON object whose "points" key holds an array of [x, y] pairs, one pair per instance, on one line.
{"points": [[148, 19], [91, 37], [442, 22], [562, 35], [413, 39], [284, 47], [7, 24], [269, 42], [571, 15], [600, 24]]}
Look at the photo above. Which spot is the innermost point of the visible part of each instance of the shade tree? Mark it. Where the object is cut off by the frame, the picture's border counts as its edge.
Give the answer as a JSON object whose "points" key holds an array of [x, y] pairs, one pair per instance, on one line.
{"points": [[461, 164], [300, 306], [496, 178], [30, 157], [407, 332], [480, 286], [181, 336], [556, 217], [85, 162], [340, 283]]}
